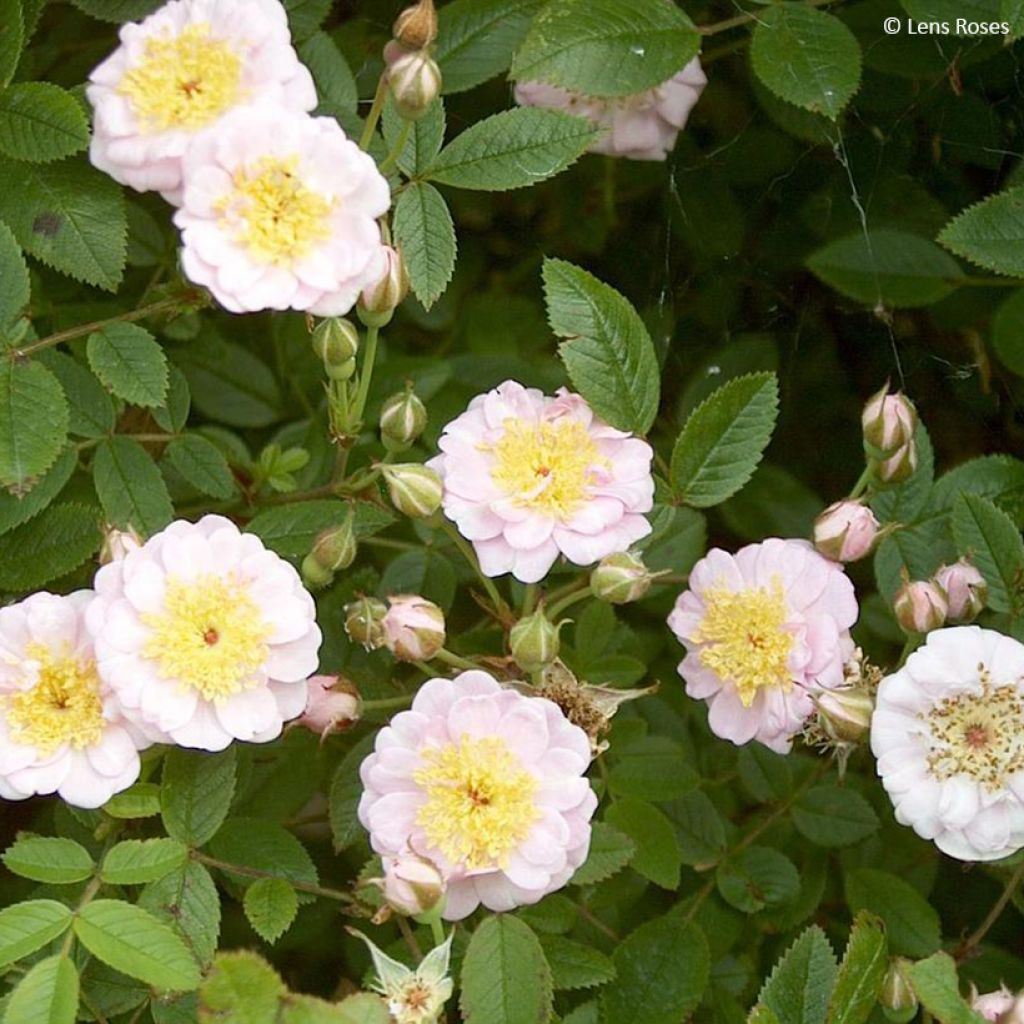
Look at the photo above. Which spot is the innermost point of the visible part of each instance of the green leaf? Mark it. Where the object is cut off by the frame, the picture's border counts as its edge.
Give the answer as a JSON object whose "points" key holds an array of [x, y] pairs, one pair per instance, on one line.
{"points": [[834, 816], [699, 828], [242, 988], [262, 845], [657, 849], [139, 801], [512, 149], [135, 943], [202, 464], [718, 450], [990, 233], [936, 984], [1007, 330], [574, 965], [424, 140], [989, 537], [11, 39], [49, 859], [426, 235], [58, 540], [477, 38], [91, 409], [661, 973], [766, 775], [911, 923], [505, 978], [1012, 12], [885, 266], [291, 529], [334, 80], [189, 903], [757, 877], [652, 769], [270, 905], [306, 16], [130, 486], [137, 861], [861, 973], [605, 47], [26, 927], [117, 11], [806, 57], [14, 283], [48, 994], [799, 989], [15, 510], [173, 414], [33, 422], [343, 797], [68, 215], [130, 362], [363, 1008], [40, 121], [608, 352], [196, 793]]}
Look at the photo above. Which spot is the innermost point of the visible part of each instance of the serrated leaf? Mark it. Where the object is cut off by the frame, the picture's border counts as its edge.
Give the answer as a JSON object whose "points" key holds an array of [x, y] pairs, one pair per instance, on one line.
{"points": [[68, 215], [765, 774], [264, 846], [512, 149], [202, 464], [505, 978], [936, 984], [137, 861], [657, 856], [834, 816], [173, 414], [130, 362], [270, 905], [806, 57], [335, 83], [135, 943], [799, 989], [130, 486], [661, 973], [426, 235], [117, 11], [139, 801], [424, 139], [90, 407], [196, 793], [574, 965], [48, 994], [49, 859], [605, 47], [306, 16], [699, 829], [861, 973], [652, 769], [291, 529], [911, 923], [242, 988], [11, 39], [990, 233], [989, 537], [40, 121], [724, 439], [757, 877], [14, 282], [26, 927], [33, 421], [56, 541], [609, 354], [187, 901], [15, 510], [344, 795]]}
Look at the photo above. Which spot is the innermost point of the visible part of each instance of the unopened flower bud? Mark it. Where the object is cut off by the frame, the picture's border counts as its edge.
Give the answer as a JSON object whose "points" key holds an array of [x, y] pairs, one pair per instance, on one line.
{"points": [[380, 299], [413, 628], [412, 885], [920, 606], [966, 590], [414, 489], [403, 418], [997, 1006], [336, 342], [117, 544], [335, 547], [415, 81], [845, 713], [364, 622], [416, 26], [899, 466], [534, 642], [332, 705], [620, 578], [888, 421], [898, 999], [846, 531]]}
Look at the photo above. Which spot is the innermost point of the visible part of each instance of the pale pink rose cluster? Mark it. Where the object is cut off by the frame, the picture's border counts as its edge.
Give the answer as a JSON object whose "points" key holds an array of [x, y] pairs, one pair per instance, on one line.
{"points": [[206, 102], [199, 637]]}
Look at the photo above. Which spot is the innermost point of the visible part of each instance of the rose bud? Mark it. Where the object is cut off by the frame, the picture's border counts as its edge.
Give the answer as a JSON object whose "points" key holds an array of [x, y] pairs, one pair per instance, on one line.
{"points": [[533, 641], [380, 299], [332, 705], [845, 713], [333, 549], [412, 885], [966, 590], [897, 467], [117, 544], [888, 422], [897, 998], [920, 606], [995, 1006], [414, 489], [415, 80], [846, 531], [403, 418], [364, 622], [336, 342], [620, 578], [413, 628], [416, 26]]}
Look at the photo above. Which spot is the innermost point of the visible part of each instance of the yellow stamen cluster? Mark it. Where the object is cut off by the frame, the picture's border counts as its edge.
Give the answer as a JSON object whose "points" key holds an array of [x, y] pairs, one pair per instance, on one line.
{"points": [[547, 467], [64, 705], [748, 643], [209, 636], [480, 801], [185, 81], [978, 734]]}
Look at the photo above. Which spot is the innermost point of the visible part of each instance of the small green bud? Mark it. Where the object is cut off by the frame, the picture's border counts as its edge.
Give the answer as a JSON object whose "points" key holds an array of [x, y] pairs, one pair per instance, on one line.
{"points": [[364, 622], [336, 342], [620, 578], [534, 641], [402, 419], [334, 549], [314, 575], [414, 489], [898, 999]]}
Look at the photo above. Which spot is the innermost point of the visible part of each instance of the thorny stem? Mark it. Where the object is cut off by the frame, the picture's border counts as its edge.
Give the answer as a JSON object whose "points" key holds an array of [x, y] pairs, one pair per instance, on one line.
{"points": [[375, 111], [967, 948], [247, 872]]}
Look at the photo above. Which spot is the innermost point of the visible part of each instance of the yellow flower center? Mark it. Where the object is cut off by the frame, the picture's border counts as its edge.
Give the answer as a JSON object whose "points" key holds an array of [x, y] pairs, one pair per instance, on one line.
{"points": [[275, 216], [208, 637], [748, 643], [64, 705], [978, 735], [546, 466], [184, 82], [480, 801]]}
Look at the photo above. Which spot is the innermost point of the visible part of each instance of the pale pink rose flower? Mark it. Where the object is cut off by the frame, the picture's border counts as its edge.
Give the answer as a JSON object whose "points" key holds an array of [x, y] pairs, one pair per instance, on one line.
{"points": [[992, 1005], [846, 531], [487, 784], [205, 636], [765, 630], [413, 627], [280, 212], [177, 73], [61, 727], [528, 478], [643, 126]]}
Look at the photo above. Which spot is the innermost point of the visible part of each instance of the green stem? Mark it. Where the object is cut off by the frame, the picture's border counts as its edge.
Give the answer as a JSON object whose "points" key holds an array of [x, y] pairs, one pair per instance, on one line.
{"points": [[500, 605], [369, 357], [247, 872], [387, 703], [971, 943], [397, 149], [529, 599], [374, 115], [743, 19], [454, 659], [409, 937], [862, 482], [556, 609], [87, 896], [436, 930]]}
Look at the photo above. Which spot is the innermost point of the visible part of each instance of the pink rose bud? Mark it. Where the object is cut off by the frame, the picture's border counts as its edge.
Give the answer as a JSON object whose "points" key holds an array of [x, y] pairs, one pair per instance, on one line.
{"points": [[899, 466], [889, 422], [332, 705], [414, 78], [995, 1006], [965, 589], [411, 885], [845, 714], [413, 628], [117, 544], [846, 531], [921, 606], [380, 299]]}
